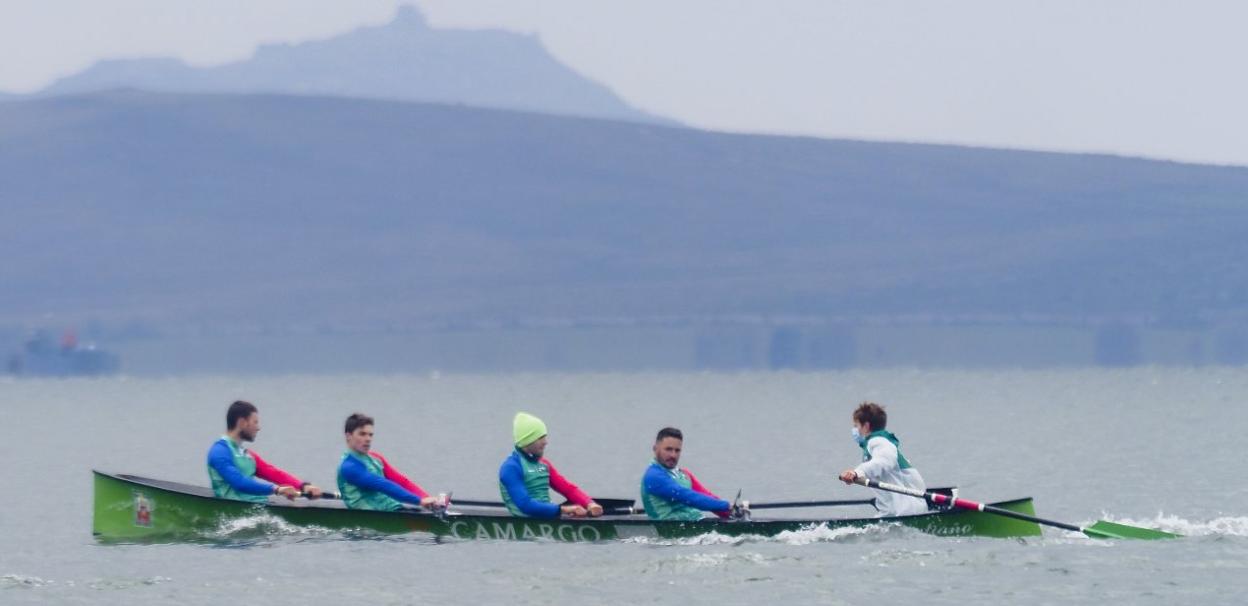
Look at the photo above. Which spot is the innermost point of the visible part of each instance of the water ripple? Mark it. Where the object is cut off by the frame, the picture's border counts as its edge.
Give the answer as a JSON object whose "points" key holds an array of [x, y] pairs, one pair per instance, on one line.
{"points": [[1232, 526], [19, 581]]}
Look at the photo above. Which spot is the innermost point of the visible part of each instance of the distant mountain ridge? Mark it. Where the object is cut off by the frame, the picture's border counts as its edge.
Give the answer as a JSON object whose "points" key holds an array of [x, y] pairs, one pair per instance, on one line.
{"points": [[404, 60], [260, 208]]}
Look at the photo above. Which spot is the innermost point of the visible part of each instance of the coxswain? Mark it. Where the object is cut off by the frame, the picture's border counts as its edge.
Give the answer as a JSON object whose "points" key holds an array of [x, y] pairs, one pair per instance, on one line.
{"points": [[882, 461]]}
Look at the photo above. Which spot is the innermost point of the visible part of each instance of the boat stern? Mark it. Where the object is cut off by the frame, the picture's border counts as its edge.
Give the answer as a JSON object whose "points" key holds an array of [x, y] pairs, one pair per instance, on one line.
{"points": [[127, 510], [964, 523]]}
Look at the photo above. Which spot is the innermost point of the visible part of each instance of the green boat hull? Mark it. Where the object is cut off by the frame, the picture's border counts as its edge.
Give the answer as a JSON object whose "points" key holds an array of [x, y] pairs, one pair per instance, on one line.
{"points": [[135, 509]]}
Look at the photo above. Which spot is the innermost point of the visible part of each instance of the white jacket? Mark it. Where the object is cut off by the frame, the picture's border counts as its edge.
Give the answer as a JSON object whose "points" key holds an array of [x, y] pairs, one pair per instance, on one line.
{"points": [[883, 467]]}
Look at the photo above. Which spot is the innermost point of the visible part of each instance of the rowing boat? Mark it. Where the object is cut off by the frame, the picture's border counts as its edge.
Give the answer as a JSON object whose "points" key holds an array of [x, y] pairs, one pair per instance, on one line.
{"points": [[131, 508], [134, 508]]}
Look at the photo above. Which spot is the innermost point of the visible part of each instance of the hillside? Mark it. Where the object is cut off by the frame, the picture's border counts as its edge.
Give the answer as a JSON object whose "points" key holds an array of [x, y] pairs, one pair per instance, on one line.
{"points": [[256, 210]]}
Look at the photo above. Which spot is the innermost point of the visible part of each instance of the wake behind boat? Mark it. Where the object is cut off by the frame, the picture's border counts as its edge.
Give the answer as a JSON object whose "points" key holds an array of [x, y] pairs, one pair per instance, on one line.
{"points": [[131, 508]]}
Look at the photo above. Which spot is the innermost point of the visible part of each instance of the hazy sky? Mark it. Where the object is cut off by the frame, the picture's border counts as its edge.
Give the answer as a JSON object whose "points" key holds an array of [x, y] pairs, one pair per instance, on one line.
{"points": [[1158, 78]]}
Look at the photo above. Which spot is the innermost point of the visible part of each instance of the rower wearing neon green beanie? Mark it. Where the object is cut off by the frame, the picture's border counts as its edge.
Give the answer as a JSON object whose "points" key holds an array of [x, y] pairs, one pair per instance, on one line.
{"points": [[526, 478], [527, 429]]}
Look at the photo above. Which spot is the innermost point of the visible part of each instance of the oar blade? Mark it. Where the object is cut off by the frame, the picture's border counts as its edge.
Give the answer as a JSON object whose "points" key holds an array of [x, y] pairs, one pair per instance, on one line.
{"points": [[1113, 530]]}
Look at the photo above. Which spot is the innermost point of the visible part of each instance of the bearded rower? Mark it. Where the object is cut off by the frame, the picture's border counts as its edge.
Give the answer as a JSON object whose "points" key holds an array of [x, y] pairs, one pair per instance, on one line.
{"points": [[233, 470], [526, 478], [669, 492]]}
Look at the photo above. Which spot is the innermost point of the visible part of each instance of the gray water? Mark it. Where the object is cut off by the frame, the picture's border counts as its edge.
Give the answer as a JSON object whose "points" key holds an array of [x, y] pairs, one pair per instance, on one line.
{"points": [[1156, 447]]}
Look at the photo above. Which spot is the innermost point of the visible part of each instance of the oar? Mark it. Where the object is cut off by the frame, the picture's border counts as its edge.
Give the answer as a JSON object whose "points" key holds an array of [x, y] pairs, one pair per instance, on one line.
{"points": [[617, 507], [615, 503], [794, 504], [1099, 530], [840, 503], [611, 504]]}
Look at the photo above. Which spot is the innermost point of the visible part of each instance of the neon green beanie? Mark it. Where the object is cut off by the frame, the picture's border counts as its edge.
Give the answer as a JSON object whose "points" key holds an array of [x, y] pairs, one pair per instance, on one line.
{"points": [[527, 429]]}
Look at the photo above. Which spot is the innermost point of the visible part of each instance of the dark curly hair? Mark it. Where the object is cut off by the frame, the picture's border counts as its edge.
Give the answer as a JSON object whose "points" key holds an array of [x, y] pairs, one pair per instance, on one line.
{"points": [[870, 412]]}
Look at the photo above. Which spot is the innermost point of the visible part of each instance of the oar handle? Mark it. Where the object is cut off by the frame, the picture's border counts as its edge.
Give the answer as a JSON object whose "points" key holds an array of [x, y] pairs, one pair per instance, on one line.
{"points": [[946, 500]]}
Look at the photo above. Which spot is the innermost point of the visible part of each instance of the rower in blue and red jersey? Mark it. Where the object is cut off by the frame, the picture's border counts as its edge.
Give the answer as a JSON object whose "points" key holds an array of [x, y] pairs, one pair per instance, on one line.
{"points": [[239, 473], [368, 481], [526, 478], [670, 492]]}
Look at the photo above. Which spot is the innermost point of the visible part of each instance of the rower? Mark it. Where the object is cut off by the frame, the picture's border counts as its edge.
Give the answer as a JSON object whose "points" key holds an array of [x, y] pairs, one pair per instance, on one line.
{"points": [[233, 469], [882, 461], [525, 478], [367, 481], [669, 492]]}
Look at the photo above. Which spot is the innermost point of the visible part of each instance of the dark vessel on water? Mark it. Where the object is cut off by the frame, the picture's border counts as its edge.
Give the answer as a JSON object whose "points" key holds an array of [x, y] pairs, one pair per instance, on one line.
{"points": [[42, 356]]}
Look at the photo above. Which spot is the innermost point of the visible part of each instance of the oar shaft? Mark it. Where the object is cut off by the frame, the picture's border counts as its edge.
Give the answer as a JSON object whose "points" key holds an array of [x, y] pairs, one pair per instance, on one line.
{"points": [[607, 504], [941, 499], [797, 504], [471, 503], [608, 511]]}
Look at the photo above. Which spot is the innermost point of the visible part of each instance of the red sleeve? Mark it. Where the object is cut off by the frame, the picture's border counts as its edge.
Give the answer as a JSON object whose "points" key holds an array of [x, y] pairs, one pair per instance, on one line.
{"points": [[393, 475], [272, 473], [570, 491], [698, 487]]}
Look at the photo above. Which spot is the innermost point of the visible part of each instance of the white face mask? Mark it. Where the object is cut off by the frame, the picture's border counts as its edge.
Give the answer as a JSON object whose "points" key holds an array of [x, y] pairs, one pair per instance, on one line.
{"points": [[853, 431]]}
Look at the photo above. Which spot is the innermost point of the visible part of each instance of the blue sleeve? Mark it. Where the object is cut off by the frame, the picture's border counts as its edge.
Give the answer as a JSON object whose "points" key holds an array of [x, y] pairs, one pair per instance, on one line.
{"points": [[660, 484], [512, 478], [222, 460], [356, 473]]}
